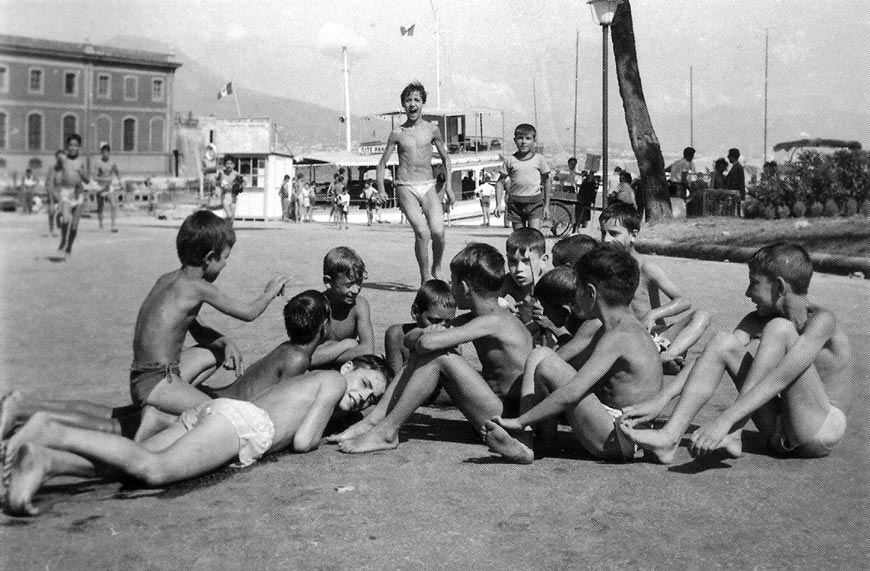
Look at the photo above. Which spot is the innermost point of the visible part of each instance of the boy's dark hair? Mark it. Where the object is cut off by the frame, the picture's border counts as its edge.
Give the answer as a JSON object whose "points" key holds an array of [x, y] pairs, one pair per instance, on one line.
{"points": [[688, 153], [624, 176], [74, 137], [105, 147], [557, 286], [721, 162], [286, 177], [229, 158], [343, 261], [526, 240], [304, 316], [200, 233], [375, 363], [434, 293], [411, 88], [479, 265], [787, 261], [613, 271], [568, 250], [525, 129], [623, 213]]}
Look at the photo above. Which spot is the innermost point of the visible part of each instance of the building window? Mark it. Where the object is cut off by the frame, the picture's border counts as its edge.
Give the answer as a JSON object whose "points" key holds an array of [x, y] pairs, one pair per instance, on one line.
{"points": [[70, 83], [103, 132], [156, 89], [35, 83], [129, 143], [131, 87], [155, 134], [254, 171], [2, 130], [68, 127], [34, 132], [104, 86], [4, 78]]}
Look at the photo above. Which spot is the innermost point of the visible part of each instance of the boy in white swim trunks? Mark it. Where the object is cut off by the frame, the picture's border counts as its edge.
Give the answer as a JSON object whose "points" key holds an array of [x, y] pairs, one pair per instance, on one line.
{"points": [[415, 185], [292, 414], [73, 177], [790, 360], [622, 367]]}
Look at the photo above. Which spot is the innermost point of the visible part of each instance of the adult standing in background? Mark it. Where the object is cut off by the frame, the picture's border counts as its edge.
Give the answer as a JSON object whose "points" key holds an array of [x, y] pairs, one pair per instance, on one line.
{"points": [[284, 193], [681, 172], [736, 179]]}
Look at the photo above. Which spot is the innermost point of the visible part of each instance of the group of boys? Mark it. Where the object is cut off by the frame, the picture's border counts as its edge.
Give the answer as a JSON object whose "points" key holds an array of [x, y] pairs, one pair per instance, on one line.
{"points": [[581, 333]]}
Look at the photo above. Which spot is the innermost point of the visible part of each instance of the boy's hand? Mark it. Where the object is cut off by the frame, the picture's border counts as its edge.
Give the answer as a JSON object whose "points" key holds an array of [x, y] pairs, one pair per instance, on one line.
{"points": [[232, 356], [649, 322], [275, 287], [708, 438], [509, 424], [643, 412]]}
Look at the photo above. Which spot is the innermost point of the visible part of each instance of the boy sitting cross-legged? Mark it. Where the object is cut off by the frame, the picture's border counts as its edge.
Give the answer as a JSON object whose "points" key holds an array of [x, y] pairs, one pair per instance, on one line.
{"points": [[620, 224], [350, 333], [502, 345], [623, 367], [790, 359]]}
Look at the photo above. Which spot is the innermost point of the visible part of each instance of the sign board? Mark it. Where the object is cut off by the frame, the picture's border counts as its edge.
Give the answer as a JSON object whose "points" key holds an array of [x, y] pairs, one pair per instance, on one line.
{"points": [[593, 163], [243, 136], [372, 148]]}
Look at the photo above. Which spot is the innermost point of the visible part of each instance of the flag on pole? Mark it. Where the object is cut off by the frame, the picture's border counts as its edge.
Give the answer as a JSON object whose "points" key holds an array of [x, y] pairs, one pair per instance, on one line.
{"points": [[227, 90], [409, 31]]}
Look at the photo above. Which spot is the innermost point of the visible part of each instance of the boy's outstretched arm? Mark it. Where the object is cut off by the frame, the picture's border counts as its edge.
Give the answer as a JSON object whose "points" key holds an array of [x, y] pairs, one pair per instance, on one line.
{"points": [[678, 304], [438, 337], [580, 341], [246, 311], [569, 394], [382, 164], [208, 337], [438, 141], [797, 360], [329, 392]]}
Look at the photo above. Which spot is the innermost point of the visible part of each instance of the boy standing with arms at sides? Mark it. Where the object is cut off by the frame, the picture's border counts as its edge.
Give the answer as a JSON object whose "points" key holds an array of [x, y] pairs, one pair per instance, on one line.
{"points": [[230, 183], [107, 174], [371, 198], [73, 177], [528, 197], [502, 345], [620, 224], [485, 192], [415, 185], [342, 203], [792, 364], [350, 333], [433, 305], [622, 368]]}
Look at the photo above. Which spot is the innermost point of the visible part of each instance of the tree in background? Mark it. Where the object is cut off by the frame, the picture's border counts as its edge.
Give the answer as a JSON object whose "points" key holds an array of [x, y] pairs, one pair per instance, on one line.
{"points": [[643, 138]]}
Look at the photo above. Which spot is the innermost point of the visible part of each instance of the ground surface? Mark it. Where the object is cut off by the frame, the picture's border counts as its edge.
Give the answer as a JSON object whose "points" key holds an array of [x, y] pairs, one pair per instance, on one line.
{"points": [[440, 501]]}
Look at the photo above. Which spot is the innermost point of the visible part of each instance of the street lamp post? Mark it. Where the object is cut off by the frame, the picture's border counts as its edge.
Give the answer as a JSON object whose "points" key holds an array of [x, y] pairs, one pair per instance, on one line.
{"points": [[603, 12]]}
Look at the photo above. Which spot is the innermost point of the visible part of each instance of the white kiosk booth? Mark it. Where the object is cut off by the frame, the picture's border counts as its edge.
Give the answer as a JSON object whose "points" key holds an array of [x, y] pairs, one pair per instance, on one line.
{"points": [[252, 143]]}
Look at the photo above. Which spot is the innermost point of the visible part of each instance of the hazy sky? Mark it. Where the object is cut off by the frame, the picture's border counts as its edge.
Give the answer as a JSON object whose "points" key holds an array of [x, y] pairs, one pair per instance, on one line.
{"points": [[493, 49]]}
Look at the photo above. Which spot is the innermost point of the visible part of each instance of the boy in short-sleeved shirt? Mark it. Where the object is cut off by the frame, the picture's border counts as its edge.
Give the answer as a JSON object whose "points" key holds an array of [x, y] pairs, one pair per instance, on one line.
{"points": [[528, 197]]}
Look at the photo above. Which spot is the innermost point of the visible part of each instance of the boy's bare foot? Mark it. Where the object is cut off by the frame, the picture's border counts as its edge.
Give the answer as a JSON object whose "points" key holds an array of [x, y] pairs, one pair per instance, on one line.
{"points": [[357, 429], [27, 471], [152, 422], [8, 413], [732, 445], [672, 364], [498, 440], [662, 446], [370, 441]]}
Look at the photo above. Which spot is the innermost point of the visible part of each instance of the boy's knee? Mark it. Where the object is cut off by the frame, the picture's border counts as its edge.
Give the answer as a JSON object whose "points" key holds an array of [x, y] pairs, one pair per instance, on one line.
{"points": [[150, 472], [703, 318]]}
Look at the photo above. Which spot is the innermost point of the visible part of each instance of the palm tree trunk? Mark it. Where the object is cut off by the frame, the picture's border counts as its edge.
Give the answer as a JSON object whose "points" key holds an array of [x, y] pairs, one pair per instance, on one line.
{"points": [[644, 142]]}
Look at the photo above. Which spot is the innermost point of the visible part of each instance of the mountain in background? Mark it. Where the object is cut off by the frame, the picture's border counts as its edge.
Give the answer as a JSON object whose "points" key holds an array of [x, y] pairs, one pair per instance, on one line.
{"points": [[302, 125]]}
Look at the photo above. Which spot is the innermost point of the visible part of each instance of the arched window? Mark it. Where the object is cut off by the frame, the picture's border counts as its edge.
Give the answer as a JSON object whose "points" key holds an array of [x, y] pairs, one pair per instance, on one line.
{"points": [[103, 132], [68, 127], [155, 134], [34, 132], [3, 130], [129, 142]]}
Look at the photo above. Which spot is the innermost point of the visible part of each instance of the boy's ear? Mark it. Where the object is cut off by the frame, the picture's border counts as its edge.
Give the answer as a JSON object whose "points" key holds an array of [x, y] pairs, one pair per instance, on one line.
{"points": [[593, 293], [415, 312], [327, 280], [209, 256], [634, 234], [780, 285], [346, 368], [568, 308]]}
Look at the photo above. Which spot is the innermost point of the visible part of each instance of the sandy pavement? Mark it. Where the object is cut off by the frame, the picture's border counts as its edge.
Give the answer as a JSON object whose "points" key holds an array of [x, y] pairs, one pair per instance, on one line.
{"points": [[441, 501]]}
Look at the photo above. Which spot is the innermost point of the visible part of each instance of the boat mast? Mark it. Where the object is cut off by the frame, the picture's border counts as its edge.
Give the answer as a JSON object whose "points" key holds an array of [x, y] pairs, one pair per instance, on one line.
{"points": [[576, 83]]}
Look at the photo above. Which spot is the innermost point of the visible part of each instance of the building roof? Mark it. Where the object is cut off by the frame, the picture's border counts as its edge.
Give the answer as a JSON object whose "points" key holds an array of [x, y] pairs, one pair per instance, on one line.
{"points": [[833, 143], [38, 47]]}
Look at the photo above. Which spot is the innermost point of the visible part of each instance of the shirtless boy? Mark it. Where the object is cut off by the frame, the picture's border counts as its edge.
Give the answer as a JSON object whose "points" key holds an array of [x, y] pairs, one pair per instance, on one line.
{"points": [[230, 183], [790, 359], [350, 333], [291, 414], [73, 177], [620, 224], [433, 305], [107, 175], [502, 345], [415, 185], [623, 367]]}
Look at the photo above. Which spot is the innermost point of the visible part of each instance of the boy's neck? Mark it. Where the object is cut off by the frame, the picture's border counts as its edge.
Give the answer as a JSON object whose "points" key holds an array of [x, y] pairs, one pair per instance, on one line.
{"points": [[333, 299], [613, 315], [485, 304], [796, 309], [524, 156], [193, 272]]}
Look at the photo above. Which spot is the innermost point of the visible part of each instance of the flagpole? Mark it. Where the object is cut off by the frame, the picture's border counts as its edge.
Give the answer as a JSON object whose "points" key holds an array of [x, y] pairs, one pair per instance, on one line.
{"points": [[236, 99], [437, 56], [691, 108], [764, 150], [576, 83], [346, 100]]}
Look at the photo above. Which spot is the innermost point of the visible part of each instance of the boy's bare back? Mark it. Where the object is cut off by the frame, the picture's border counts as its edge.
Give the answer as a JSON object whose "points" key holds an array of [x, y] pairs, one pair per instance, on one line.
{"points": [[503, 350], [636, 374], [285, 361], [415, 150], [834, 362]]}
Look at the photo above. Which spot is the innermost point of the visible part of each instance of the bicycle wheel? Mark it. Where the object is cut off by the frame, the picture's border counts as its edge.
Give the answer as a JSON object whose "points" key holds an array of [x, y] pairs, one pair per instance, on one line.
{"points": [[560, 219]]}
